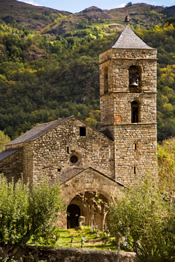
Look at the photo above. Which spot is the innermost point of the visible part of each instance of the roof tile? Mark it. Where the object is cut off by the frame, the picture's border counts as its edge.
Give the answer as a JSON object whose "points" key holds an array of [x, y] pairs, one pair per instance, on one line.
{"points": [[7, 153], [128, 39], [37, 131]]}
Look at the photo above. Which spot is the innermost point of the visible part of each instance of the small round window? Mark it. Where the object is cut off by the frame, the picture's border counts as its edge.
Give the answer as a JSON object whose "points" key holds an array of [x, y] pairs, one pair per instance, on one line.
{"points": [[74, 159]]}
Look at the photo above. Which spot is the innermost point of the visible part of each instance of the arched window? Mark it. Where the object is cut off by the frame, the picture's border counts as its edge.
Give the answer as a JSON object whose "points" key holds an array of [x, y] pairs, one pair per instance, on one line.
{"points": [[135, 112], [135, 79], [105, 80]]}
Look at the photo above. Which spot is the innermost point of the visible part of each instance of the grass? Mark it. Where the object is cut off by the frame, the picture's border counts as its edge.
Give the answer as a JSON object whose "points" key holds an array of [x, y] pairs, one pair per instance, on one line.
{"points": [[78, 238]]}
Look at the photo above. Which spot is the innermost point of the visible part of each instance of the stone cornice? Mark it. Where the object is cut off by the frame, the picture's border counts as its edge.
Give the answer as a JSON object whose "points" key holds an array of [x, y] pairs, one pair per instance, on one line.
{"points": [[127, 59], [130, 124], [127, 92]]}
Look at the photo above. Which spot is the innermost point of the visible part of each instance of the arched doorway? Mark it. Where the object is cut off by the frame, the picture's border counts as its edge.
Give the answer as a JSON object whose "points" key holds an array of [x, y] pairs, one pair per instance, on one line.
{"points": [[73, 213], [92, 206]]}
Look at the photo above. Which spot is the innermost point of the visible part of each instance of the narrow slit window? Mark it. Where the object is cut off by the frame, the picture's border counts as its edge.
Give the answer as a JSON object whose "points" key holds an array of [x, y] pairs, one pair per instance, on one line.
{"points": [[82, 131], [105, 80], [68, 150], [134, 170]]}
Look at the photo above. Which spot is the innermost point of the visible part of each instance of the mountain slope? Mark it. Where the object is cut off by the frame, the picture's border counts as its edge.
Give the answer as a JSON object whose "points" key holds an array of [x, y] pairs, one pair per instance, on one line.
{"points": [[141, 15], [79, 21], [61, 22], [44, 77], [29, 16]]}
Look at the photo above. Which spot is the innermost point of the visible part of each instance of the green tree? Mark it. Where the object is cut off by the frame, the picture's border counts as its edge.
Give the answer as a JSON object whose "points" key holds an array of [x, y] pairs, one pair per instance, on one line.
{"points": [[166, 164], [145, 221], [128, 4], [94, 119], [27, 213], [4, 139]]}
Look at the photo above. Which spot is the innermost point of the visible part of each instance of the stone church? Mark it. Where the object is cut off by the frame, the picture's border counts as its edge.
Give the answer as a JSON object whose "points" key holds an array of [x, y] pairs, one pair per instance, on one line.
{"points": [[93, 166]]}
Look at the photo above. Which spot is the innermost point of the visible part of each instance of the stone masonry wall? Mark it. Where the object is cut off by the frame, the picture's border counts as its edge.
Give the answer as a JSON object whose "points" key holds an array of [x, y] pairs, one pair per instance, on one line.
{"points": [[53, 150], [88, 181], [135, 143], [116, 109], [135, 152], [119, 62], [74, 255], [20, 163], [12, 166], [28, 162]]}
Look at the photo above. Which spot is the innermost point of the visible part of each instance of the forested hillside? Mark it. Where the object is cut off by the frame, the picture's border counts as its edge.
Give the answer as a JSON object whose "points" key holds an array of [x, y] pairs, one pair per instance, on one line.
{"points": [[51, 71], [29, 16]]}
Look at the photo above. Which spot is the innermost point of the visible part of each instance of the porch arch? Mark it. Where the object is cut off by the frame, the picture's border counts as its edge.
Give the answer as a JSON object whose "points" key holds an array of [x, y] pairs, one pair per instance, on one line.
{"points": [[91, 206]]}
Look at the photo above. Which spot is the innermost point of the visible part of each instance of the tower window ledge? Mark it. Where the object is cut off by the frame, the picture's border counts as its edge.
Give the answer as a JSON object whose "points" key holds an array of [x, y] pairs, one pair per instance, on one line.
{"points": [[139, 123], [123, 92], [149, 92], [135, 58], [107, 93]]}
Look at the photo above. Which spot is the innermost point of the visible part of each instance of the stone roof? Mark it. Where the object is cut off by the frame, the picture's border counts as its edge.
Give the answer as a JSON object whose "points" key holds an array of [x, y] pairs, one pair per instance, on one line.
{"points": [[72, 172], [7, 153], [41, 129], [37, 131], [128, 39]]}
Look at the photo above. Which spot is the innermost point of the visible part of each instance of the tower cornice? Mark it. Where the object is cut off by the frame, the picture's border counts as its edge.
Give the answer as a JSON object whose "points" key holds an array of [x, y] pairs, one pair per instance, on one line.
{"points": [[127, 92], [129, 59]]}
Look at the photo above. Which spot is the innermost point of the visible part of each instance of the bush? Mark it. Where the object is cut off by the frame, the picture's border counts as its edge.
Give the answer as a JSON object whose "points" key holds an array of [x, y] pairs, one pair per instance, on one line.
{"points": [[26, 212], [144, 222]]}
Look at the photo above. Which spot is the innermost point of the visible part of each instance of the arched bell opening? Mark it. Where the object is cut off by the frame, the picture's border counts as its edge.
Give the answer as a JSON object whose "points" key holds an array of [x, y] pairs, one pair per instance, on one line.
{"points": [[73, 214], [135, 112], [135, 79], [89, 209]]}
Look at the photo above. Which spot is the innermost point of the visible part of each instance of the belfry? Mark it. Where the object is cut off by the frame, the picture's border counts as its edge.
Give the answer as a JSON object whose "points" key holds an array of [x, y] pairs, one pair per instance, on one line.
{"points": [[128, 79]]}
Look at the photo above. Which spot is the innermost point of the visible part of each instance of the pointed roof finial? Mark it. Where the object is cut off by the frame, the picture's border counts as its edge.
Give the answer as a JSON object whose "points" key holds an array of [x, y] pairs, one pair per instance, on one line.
{"points": [[127, 18]]}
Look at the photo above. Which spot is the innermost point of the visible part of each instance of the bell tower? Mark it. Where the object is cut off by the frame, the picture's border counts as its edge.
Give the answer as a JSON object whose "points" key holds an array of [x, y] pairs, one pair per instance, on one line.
{"points": [[128, 78]]}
